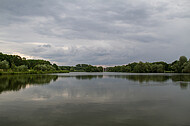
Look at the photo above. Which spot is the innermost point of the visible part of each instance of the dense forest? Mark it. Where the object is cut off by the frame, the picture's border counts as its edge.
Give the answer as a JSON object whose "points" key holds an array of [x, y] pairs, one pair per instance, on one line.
{"points": [[17, 64], [82, 68], [179, 66]]}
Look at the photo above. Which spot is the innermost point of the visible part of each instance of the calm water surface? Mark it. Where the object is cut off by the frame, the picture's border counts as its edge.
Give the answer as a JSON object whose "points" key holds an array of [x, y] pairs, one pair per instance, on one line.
{"points": [[95, 99]]}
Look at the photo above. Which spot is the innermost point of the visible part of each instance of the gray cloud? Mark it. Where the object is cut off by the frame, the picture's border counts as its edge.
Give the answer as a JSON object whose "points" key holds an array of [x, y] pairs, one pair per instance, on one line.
{"points": [[96, 31]]}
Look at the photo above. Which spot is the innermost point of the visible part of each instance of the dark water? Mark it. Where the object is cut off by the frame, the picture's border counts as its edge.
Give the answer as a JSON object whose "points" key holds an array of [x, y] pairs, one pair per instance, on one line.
{"points": [[95, 99]]}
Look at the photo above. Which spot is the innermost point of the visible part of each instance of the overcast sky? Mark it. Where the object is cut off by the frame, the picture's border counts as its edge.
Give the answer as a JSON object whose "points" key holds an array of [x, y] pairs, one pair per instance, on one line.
{"points": [[97, 32]]}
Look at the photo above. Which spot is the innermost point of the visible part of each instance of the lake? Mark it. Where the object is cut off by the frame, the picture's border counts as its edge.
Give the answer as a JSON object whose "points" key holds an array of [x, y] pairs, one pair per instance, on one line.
{"points": [[95, 99]]}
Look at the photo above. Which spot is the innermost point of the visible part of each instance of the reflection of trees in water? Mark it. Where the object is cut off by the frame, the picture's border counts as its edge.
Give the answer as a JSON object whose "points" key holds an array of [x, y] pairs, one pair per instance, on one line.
{"points": [[89, 77], [139, 78], [183, 85], [181, 78], [144, 78], [184, 80], [16, 82]]}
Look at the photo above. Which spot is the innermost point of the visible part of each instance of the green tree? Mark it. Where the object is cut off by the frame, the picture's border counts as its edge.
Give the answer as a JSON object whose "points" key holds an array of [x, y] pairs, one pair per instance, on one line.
{"points": [[72, 69], [154, 68], [44, 67], [100, 69], [182, 60], [132, 65], [186, 67], [148, 67], [51, 68], [13, 66], [40, 67], [4, 64], [160, 68], [176, 67], [140, 68], [128, 69], [55, 66], [22, 68], [165, 65]]}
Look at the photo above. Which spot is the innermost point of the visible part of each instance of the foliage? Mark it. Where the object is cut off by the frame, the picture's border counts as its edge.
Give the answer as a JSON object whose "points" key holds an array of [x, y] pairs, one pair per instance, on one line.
{"points": [[15, 60], [22, 68], [14, 64], [181, 65], [32, 63], [178, 66], [182, 60], [4, 64], [82, 68], [44, 68], [186, 67], [141, 68]]}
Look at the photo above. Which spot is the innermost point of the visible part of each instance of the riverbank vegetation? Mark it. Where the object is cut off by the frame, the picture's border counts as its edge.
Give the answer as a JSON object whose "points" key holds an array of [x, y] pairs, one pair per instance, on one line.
{"points": [[179, 66], [82, 68], [14, 64]]}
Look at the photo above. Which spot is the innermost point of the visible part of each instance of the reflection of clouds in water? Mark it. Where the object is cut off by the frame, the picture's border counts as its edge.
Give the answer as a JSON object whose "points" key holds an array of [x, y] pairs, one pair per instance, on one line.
{"points": [[29, 86], [120, 100], [90, 88], [39, 99], [139, 77], [65, 94], [99, 91], [83, 95]]}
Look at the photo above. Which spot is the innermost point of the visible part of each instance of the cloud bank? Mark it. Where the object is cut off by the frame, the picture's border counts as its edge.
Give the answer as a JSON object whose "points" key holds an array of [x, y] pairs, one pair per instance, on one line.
{"points": [[96, 32]]}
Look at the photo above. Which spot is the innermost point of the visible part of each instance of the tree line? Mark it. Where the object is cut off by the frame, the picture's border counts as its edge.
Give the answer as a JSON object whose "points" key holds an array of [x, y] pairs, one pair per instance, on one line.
{"points": [[179, 66], [17, 64], [82, 68]]}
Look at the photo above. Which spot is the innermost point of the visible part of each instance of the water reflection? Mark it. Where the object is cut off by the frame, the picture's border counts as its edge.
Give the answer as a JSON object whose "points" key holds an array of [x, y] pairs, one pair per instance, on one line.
{"points": [[183, 85], [185, 78], [95, 100], [89, 77], [138, 78], [17, 82], [145, 78]]}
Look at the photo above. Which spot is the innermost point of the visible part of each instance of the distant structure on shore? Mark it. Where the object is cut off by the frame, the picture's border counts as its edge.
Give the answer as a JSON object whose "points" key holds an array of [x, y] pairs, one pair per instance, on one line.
{"points": [[105, 69]]}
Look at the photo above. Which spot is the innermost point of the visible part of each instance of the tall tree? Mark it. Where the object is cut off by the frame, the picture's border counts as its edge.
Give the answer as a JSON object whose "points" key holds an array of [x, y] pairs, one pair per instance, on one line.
{"points": [[4, 64], [186, 68], [182, 60]]}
